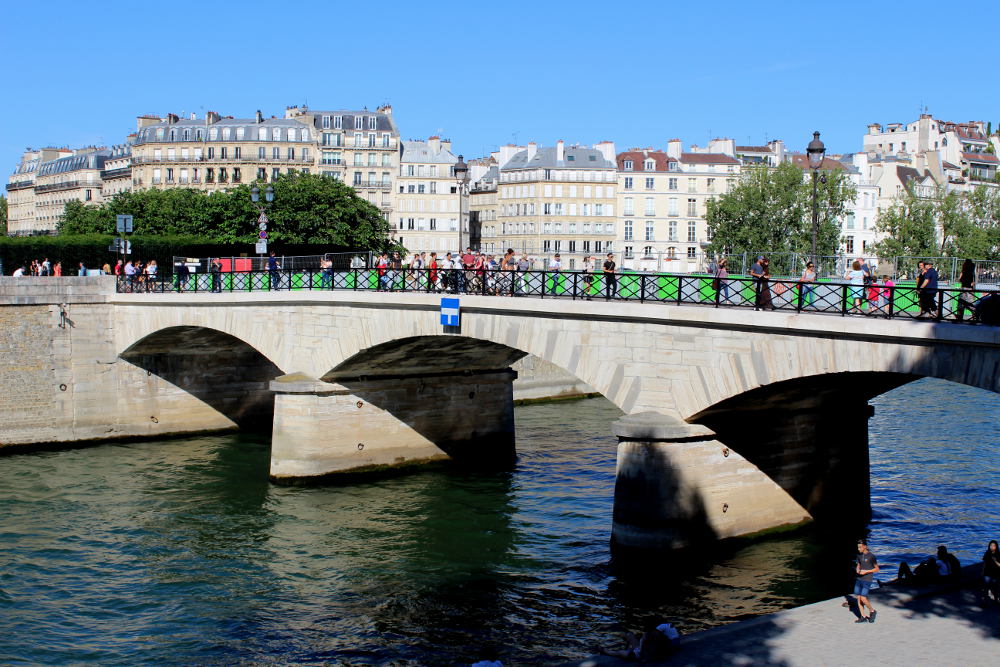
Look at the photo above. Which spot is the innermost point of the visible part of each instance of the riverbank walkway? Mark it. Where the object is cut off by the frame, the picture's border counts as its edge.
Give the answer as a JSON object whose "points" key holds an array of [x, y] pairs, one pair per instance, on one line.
{"points": [[915, 625]]}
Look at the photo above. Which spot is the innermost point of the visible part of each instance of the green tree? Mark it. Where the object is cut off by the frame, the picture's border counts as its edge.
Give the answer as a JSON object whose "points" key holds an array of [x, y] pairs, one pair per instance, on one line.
{"points": [[3, 215], [983, 240], [771, 210], [306, 209], [907, 228], [949, 224]]}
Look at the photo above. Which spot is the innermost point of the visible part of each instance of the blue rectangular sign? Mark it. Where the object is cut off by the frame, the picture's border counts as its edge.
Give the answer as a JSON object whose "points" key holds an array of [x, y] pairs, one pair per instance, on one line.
{"points": [[449, 312]]}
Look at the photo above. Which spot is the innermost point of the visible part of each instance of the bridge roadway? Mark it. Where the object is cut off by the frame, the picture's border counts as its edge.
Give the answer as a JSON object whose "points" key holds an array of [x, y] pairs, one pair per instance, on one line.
{"points": [[736, 421]]}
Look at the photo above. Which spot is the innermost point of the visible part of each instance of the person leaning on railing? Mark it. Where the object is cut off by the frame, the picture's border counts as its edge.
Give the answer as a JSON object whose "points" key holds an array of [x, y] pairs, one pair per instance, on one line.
{"points": [[610, 278], [807, 285], [967, 283], [721, 281]]}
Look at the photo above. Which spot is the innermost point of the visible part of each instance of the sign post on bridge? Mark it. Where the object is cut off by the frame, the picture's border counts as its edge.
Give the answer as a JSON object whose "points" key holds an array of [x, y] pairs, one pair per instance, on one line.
{"points": [[450, 314], [124, 225]]}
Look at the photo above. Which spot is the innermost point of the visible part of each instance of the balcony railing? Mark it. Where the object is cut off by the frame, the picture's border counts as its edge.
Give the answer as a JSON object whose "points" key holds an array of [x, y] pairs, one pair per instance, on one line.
{"points": [[65, 185], [229, 158], [371, 184], [20, 185], [123, 172]]}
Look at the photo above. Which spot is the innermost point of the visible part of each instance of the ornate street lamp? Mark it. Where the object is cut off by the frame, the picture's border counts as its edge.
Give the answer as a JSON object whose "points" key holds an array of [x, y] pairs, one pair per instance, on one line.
{"points": [[461, 178], [255, 194], [815, 150]]}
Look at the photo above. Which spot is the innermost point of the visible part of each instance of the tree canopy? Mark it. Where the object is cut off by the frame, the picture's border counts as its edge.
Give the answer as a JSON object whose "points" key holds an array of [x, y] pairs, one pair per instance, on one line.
{"points": [[949, 224], [771, 210], [306, 209], [3, 214]]}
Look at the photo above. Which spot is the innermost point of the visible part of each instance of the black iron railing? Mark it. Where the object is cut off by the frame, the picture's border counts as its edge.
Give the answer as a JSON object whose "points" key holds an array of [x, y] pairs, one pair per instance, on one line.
{"points": [[873, 300]]}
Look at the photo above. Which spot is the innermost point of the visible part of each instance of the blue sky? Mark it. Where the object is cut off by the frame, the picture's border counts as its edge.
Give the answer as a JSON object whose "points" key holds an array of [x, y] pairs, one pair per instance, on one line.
{"points": [[486, 74]]}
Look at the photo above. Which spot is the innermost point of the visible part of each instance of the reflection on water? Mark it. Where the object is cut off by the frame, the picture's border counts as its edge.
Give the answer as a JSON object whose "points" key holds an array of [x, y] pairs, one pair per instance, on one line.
{"points": [[182, 552]]}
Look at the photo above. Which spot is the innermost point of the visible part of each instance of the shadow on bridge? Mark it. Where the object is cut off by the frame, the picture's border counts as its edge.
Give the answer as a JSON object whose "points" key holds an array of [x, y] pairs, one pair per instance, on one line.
{"points": [[222, 371]]}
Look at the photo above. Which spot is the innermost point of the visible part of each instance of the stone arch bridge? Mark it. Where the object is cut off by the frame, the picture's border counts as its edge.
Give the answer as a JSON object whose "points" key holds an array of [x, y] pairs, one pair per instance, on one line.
{"points": [[736, 421]]}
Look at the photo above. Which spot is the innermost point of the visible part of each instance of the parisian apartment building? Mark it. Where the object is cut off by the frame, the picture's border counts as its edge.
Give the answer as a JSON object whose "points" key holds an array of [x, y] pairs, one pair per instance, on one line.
{"points": [[647, 205], [551, 200], [429, 200], [213, 152]]}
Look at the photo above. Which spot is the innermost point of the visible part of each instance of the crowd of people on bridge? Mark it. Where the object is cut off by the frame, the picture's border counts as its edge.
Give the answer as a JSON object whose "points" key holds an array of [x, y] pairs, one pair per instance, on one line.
{"points": [[476, 272]]}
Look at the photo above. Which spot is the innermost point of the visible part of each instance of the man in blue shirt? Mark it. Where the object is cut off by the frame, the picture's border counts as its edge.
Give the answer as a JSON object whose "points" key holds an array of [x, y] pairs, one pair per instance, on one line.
{"points": [[865, 569], [927, 289], [272, 268]]}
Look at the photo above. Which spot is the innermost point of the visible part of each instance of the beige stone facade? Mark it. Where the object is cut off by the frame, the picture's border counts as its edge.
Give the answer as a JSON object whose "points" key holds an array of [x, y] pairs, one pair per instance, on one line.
{"points": [[73, 178], [557, 199], [662, 198], [22, 199], [216, 153], [116, 177], [428, 198], [360, 148]]}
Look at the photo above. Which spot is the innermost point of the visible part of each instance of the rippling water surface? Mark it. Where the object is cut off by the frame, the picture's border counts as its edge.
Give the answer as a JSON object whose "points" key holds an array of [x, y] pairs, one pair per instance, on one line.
{"points": [[181, 552]]}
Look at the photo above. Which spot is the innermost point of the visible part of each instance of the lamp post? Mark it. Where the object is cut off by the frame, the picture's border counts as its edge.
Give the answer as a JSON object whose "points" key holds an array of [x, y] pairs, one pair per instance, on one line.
{"points": [[815, 150], [262, 218], [461, 178]]}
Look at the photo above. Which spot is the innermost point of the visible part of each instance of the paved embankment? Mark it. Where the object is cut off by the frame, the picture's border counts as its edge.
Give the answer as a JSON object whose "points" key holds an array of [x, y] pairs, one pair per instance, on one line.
{"points": [[916, 625]]}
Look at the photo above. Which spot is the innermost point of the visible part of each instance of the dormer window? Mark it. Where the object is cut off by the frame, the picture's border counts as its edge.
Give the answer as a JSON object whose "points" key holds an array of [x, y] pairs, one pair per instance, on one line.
{"points": [[649, 166], [173, 135], [187, 135], [213, 134], [262, 134], [338, 122], [672, 166], [291, 134], [225, 133], [359, 123], [627, 165], [372, 122], [326, 122], [239, 133], [276, 132]]}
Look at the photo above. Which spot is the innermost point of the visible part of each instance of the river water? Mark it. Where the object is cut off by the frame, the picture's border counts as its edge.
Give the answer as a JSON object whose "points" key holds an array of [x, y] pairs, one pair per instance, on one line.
{"points": [[181, 552]]}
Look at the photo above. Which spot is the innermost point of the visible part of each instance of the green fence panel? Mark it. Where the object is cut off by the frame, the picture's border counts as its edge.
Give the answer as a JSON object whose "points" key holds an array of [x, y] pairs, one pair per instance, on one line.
{"points": [[629, 286], [705, 290], [667, 288], [555, 283]]}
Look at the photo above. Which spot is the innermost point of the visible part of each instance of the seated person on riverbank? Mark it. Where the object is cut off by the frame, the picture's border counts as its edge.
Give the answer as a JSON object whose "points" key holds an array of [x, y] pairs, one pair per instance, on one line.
{"points": [[656, 643], [945, 567]]}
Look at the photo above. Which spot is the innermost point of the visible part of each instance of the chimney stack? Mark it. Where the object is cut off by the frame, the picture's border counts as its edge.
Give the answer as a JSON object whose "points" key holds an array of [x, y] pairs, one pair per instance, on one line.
{"points": [[260, 116], [211, 117], [434, 144], [560, 151], [172, 118], [674, 148], [607, 149], [532, 150]]}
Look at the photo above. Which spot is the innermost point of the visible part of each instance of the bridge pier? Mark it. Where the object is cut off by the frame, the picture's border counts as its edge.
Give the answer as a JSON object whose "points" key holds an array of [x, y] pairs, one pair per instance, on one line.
{"points": [[676, 485], [360, 424]]}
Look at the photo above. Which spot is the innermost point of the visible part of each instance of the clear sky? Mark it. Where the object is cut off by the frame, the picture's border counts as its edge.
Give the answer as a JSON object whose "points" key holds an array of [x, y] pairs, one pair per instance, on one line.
{"points": [[490, 73]]}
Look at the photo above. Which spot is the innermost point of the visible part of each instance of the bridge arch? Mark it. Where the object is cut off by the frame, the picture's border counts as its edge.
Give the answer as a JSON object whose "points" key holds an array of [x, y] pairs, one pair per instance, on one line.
{"points": [[198, 375]]}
